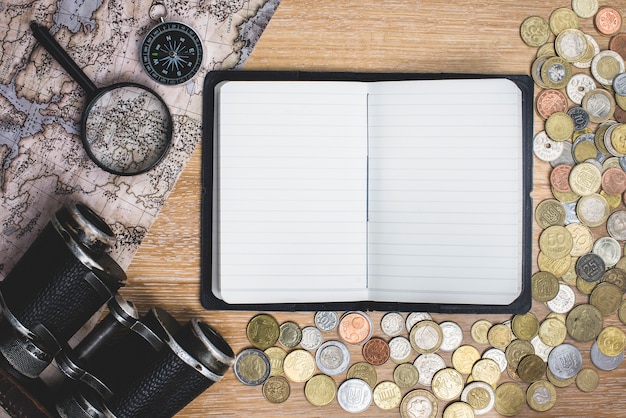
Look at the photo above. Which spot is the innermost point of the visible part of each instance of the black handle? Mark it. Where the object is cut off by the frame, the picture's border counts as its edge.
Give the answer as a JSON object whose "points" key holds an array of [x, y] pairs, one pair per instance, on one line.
{"points": [[46, 40]]}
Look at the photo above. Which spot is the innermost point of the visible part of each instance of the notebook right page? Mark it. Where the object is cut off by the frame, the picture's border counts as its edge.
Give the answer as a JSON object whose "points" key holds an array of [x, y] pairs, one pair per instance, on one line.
{"points": [[445, 191]]}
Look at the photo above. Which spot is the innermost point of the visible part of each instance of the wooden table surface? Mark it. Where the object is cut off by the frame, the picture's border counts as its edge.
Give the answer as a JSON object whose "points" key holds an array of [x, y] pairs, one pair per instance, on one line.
{"points": [[478, 36]]}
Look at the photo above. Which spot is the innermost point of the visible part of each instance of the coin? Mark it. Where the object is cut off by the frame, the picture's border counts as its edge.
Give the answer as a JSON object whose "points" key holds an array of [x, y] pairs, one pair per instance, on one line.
{"points": [[585, 8], [621, 312], [480, 396], [614, 180], [276, 356], [452, 336], [593, 210], [517, 350], [618, 144], [252, 367], [418, 403], [486, 370], [592, 49], [608, 249], [415, 317], [561, 19], [559, 178], [606, 297], [550, 212], [541, 349], [619, 84], [510, 399], [354, 395], [556, 266], [545, 286], [584, 149], [311, 338], [599, 104], [498, 356], [617, 43], [556, 73], [616, 225], [559, 126], [426, 337], [405, 375], [545, 148], [541, 396], [565, 361], [559, 383], [458, 410], [587, 380], [605, 66], [263, 331], [585, 179], [581, 120], [556, 241], [534, 31], [464, 357], [392, 324], [299, 366], [399, 349], [499, 336], [550, 101], [364, 371], [479, 331], [552, 331], [531, 368], [585, 287], [320, 390], [563, 301], [611, 341], [602, 361], [332, 358], [579, 85], [427, 365], [608, 21], [616, 276], [525, 326], [376, 351], [355, 327], [290, 334], [571, 45], [326, 321], [447, 384], [582, 239], [387, 395], [276, 389], [584, 322]]}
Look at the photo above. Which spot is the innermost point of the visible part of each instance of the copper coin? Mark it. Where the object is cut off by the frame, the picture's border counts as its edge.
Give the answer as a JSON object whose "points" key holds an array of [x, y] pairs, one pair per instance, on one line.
{"points": [[618, 44], [551, 101], [376, 351], [559, 178], [614, 181], [355, 327], [619, 114], [608, 21]]}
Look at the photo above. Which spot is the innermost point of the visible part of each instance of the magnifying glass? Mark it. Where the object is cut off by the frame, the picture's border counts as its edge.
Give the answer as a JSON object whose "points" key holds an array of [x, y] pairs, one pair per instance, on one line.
{"points": [[126, 128]]}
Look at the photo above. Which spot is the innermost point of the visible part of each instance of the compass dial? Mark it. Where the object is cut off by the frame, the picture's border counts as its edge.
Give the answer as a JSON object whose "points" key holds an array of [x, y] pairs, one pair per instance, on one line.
{"points": [[171, 53]]}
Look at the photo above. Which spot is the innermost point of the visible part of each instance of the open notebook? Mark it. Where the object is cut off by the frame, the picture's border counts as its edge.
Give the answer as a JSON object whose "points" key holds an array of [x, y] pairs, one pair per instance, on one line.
{"points": [[395, 193]]}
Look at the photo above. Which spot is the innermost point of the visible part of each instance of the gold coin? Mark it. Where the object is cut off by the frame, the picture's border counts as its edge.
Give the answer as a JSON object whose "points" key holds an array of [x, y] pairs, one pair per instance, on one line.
{"points": [[611, 341], [276, 355], [549, 212], [320, 390], [621, 312], [545, 286], [510, 399], [290, 334], [541, 395], [276, 389], [585, 8], [486, 370], [599, 136], [585, 179], [616, 276], [447, 384], [499, 336], [614, 200], [531, 368], [587, 380], [584, 151], [299, 366], [526, 326], [418, 402], [584, 286], [464, 357], [606, 297], [364, 371], [559, 126], [570, 275], [535, 31], [480, 395], [559, 383], [426, 337], [620, 101], [561, 19], [560, 316], [479, 330], [546, 49], [517, 350], [552, 332], [567, 197], [387, 395], [556, 241], [458, 410], [584, 322], [405, 375], [556, 266], [263, 331], [618, 138], [582, 239]]}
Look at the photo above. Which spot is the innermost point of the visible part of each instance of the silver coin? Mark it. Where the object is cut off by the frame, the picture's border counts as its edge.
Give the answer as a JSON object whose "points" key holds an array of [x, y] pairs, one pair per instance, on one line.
{"points": [[311, 338], [596, 50], [616, 225], [541, 349], [392, 324], [332, 358], [485, 388], [609, 249], [427, 365], [566, 156], [399, 349], [565, 361], [354, 395], [564, 300], [619, 84], [498, 356], [570, 213], [580, 118], [415, 317], [579, 85], [252, 367], [326, 321], [546, 149], [602, 361], [452, 336]]}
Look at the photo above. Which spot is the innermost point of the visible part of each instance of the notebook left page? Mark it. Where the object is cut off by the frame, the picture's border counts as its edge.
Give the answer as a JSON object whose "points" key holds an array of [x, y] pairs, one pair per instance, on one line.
{"points": [[292, 191]]}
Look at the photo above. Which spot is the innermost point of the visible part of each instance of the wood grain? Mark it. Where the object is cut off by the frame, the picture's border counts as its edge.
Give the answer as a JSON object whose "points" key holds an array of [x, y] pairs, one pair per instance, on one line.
{"points": [[351, 35]]}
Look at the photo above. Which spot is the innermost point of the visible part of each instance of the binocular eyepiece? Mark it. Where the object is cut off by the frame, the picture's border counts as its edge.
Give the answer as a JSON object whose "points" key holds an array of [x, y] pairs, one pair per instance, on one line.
{"points": [[127, 365]]}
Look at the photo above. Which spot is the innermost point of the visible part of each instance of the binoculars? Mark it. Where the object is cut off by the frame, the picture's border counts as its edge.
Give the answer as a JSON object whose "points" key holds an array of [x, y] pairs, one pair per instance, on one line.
{"points": [[127, 365]]}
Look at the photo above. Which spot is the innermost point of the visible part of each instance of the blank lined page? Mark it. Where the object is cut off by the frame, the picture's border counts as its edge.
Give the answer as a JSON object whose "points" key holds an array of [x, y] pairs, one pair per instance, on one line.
{"points": [[445, 191], [292, 182]]}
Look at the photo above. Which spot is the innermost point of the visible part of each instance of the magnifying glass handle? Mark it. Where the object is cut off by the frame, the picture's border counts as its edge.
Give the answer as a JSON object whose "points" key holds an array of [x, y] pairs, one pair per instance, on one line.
{"points": [[42, 34]]}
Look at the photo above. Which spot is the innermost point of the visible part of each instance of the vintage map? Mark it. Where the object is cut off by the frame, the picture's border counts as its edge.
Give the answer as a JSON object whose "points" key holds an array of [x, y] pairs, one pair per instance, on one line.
{"points": [[42, 160]]}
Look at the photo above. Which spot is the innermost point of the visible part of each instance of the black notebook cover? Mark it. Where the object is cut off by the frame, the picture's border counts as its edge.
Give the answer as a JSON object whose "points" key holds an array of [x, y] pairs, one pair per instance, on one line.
{"points": [[210, 160]]}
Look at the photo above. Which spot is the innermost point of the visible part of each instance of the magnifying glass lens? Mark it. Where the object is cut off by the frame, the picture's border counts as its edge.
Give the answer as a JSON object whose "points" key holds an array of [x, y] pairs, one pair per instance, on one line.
{"points": [[127, 129]]}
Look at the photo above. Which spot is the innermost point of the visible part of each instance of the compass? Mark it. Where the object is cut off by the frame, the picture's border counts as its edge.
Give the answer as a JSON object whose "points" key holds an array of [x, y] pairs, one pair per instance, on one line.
{"points": [[171, 52]]}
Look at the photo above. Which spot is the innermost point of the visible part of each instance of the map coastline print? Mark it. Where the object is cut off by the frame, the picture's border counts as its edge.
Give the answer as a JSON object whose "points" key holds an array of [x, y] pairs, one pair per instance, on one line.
{"points": [[42, 161]]}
